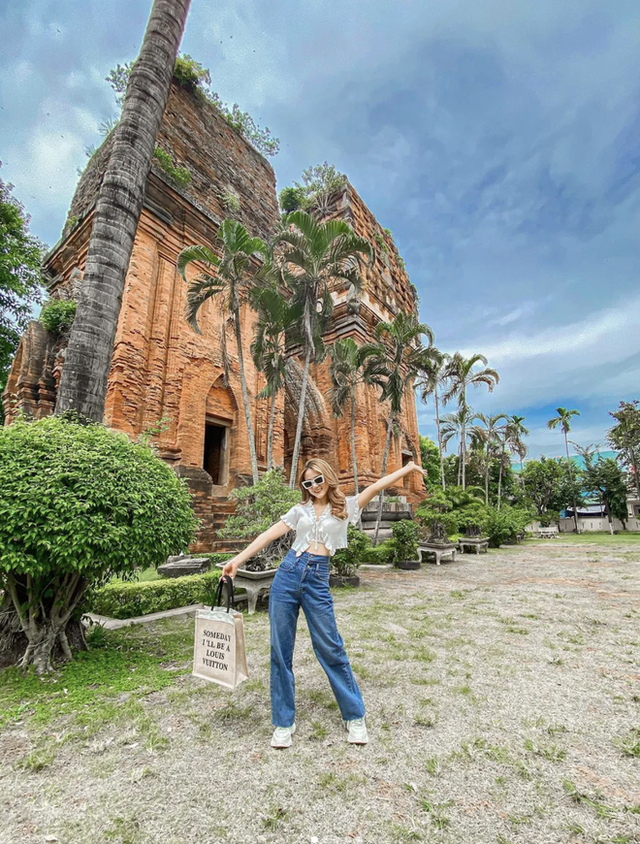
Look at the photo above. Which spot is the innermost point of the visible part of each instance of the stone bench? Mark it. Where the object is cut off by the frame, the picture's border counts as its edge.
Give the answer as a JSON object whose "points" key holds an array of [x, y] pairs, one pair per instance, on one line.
{"points": [[439, 551], [255, 584], [548, 532], [478, 544]]}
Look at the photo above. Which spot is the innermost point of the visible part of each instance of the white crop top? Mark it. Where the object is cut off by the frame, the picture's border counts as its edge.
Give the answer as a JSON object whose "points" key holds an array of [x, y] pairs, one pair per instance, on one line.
{"points": [[328, 530]]}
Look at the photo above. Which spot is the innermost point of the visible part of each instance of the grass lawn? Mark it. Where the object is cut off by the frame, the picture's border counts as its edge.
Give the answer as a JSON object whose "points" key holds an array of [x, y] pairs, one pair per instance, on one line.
{"points": [[503, 705]]}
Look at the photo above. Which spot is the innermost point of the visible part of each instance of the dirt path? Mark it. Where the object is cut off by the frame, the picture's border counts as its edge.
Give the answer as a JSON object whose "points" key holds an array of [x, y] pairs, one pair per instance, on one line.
{"points": [[503, 698]]}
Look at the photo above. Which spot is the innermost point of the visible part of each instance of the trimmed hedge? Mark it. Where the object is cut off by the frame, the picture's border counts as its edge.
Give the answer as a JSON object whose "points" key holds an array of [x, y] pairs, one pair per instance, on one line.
{"points": [[131, 599], [380, 555]]}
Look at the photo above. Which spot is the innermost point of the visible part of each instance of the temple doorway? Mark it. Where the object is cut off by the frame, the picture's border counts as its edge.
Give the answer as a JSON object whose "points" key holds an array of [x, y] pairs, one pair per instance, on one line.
{"points": [[215, 446]]}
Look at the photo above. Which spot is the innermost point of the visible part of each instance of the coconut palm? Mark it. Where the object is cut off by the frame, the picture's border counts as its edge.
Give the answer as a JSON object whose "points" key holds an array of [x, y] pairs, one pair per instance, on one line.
{"points": [[401, 354], [430, 381], [452, 426], [489, 433], [563, 419], [229, 277], [461, 375], [83, 385], [352, 365], [514, 441], [316, 257], [276, 316]]}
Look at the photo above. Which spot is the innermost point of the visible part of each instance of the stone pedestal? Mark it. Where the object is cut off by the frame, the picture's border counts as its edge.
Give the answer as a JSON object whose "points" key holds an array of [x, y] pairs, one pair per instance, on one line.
{"points": [[255, 583], [437, 550], [474, 543]]}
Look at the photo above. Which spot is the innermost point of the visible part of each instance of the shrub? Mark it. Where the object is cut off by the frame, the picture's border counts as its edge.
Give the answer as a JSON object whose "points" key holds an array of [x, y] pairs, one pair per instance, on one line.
{"points": [[405, 541], [504, 525], [346, 560], [78, 504], [57, 317], [381, 555], [129, 600]]}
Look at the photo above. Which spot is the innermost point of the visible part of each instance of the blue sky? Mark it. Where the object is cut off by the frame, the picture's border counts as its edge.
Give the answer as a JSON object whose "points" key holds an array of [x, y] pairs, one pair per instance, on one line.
{"points": [[499, 141]]}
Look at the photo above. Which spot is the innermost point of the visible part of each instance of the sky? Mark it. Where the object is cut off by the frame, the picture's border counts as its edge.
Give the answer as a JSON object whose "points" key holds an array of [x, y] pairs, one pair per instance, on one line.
{"points": [[499, 141]]}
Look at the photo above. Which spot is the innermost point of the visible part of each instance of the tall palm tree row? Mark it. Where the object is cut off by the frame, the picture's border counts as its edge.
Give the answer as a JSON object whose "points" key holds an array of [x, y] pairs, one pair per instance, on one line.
{"points": [[83, 385], [490, 433], [352, 365], [563, 420], [276, 317], [315, 258], [462, 374], [401, 356], [430, 382], [229, 277]]}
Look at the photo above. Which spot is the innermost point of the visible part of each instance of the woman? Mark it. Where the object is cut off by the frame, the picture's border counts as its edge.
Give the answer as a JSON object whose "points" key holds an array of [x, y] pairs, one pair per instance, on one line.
{"points": [[302, 580]]}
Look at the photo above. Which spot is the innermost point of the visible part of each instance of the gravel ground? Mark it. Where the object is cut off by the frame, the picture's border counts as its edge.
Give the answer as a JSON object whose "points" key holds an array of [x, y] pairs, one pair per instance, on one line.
{"points": [[501, 693]]}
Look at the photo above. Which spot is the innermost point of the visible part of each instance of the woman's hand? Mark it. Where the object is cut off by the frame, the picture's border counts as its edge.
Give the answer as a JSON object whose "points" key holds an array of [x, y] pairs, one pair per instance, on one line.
{"points": [[415, 468], [230, 568]]}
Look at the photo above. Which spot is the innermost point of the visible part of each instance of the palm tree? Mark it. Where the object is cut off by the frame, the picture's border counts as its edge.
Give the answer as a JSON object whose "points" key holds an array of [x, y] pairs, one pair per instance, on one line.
{"points": [[350, 366], [489, 433], [513, 440], [276, 316], [232, 280], [563, 419], [401, 355], [430, 381], [83, 385], [452, 426], [316, 256], [461, 374]]}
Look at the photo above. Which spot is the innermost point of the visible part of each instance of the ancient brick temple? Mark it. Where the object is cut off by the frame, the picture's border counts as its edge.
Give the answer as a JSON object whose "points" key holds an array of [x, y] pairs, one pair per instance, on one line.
{"points": [[163, 370]]}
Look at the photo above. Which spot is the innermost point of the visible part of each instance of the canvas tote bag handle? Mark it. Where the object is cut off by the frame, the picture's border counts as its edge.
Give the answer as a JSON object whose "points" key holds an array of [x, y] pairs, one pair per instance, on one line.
{"points": [[228, 582]]}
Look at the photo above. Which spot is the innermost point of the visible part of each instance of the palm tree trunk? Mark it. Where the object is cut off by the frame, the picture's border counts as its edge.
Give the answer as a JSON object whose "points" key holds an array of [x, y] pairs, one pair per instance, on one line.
{"points": [[272, 416], [436, 401], [83, 386], [245, 401], [354, 458], [463, 451], [486, 478], [385, 457], [502, 454], [569, 466], [303, 397]]}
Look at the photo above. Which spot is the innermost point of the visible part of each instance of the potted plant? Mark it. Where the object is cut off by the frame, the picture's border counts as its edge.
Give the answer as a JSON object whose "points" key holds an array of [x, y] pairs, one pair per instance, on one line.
{"points": [[346, 561], [405, 545]]}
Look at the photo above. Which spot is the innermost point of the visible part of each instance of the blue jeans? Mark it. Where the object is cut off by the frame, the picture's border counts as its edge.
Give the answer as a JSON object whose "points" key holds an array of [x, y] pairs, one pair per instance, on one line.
{"points": [[304, 582]]}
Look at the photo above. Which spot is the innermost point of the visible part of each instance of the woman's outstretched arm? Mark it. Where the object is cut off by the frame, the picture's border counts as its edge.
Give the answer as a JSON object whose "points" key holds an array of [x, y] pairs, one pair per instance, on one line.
{"points": [[260, 542], [388, 480]]}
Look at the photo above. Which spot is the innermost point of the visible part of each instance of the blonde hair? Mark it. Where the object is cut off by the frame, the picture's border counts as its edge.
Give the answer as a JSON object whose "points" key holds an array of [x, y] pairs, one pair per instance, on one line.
{"points": [[335, 495]]}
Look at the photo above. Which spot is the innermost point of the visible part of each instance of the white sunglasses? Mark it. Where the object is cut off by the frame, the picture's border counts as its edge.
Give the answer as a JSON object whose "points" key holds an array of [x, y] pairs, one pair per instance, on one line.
{"points": [[318, 481]]}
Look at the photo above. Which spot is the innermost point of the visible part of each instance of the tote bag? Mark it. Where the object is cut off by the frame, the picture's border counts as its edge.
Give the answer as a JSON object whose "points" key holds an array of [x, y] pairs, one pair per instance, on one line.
{"points": [[219, 653]]}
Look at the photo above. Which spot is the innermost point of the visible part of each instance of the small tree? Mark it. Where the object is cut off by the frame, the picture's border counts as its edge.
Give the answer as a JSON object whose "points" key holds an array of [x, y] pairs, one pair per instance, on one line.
{"points": [[257, 508], [603, 477], [625, 437], [78, 504], [20, 286]]}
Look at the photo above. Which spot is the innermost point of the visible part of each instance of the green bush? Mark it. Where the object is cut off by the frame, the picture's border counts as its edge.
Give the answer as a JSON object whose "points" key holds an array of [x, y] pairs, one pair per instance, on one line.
{"points": [[346, 560], [219, 557], [381, 555], [129, 600], [57, 317], [505, 525], [405, 541], [78, 504]]}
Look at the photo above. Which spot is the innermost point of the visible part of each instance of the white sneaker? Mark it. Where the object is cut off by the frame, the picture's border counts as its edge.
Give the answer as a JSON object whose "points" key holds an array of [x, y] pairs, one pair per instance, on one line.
{"points": [[357, 731], [282, 736]]}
